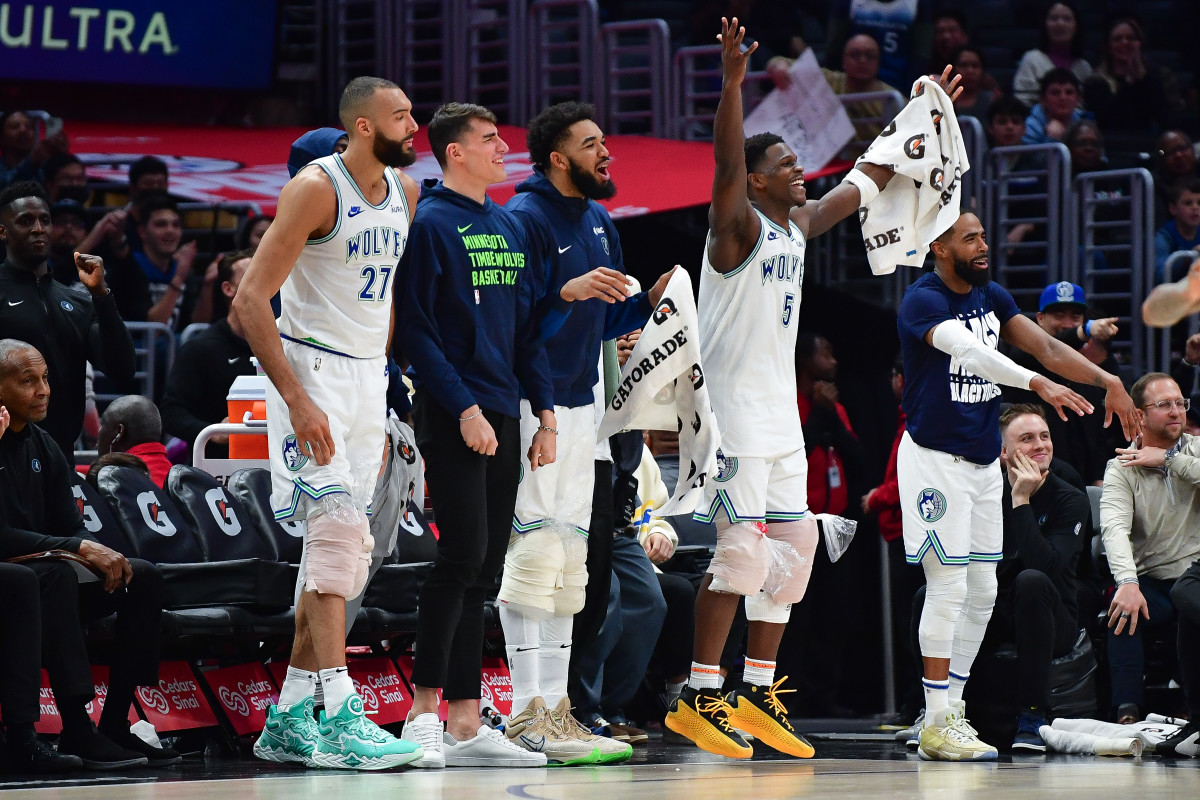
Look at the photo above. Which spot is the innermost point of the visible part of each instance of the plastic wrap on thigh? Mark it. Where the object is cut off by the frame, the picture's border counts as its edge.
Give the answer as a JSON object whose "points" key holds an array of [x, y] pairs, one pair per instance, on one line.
{"points": [[569, 600], [337, 547], [533, 572], [785, 568], [742, 559], [793, 545]]}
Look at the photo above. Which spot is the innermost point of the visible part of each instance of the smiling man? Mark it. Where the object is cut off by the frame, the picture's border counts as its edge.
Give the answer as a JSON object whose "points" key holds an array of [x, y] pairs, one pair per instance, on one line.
{"points": [[950, 322]]}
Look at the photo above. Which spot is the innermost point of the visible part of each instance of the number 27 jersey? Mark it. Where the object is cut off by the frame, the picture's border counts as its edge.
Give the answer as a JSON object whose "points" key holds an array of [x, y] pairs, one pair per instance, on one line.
{"points": [[748, 343], [339, 295]]}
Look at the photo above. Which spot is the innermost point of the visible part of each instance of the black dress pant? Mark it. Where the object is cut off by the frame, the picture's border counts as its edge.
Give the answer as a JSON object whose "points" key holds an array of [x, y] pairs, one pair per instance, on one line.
{"points": [[473, 498], [1185, 594], [21, 634], [586, 625], [68, 605]]}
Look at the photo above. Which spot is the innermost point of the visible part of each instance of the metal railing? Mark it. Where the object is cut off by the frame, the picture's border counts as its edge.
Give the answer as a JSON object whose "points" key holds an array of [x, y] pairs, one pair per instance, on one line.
{"points": [[564, 53], [151, 340], [638, 77]]}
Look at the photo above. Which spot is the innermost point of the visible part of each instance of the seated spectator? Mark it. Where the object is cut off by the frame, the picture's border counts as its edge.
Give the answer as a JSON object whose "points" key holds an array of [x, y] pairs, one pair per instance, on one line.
{"points": [[147, 176], [71, 327], [21, 154], [1182, 232], [251, 231], [64, 178], [1149, 514], [664, 446], [949, 36], [1057, 110], [114, 459], [1083, 442], [131, 424], [37, 505], [1174, 161], [976, 98], [1126, 93], [1036, 604], [151, 283], [68, 229], [205, 368], [1060, 45], [1006, 121]]}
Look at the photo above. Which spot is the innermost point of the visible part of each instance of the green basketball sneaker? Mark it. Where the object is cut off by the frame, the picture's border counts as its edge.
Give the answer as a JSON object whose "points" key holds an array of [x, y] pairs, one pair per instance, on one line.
{"points": [[348, 740], [289, 735]]}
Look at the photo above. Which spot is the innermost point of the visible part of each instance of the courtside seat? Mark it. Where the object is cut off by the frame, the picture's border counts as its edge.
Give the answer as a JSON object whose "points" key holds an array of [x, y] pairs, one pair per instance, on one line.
{"points": [[252, 489], [98, 518]]}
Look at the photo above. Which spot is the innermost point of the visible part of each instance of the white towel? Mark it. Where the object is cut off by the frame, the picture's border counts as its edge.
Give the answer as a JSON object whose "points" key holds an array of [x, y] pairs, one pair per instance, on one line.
{"points": [[662, 388], [924, 146]]}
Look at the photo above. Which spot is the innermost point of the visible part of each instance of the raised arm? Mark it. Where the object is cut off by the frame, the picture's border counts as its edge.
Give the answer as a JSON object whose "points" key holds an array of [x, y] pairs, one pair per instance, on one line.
{"points": [[1022, 332], [1168, 303], [731, 218]]}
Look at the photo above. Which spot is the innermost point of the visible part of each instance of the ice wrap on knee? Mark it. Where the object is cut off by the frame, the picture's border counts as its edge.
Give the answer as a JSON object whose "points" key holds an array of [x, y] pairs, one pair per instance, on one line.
{"points": [[569, 600], [741, 561], [795, 545], [945, 593], [337, 548], [533, 570]]}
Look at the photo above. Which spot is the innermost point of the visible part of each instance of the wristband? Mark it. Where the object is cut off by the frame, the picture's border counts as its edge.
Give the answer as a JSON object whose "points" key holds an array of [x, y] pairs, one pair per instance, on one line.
{"points": [[1128, 580], [548, 429], [868, 190], [478, 413], [1087, 328]]}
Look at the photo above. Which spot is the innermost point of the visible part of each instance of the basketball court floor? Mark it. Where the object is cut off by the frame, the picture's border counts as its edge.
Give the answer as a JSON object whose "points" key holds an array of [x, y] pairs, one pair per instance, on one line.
{"points": [[857, 765]]}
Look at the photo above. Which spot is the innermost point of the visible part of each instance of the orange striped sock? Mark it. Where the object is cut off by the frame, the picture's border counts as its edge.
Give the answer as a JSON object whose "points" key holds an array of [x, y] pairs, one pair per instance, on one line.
{"points": [[705, 676], [758, 672]]}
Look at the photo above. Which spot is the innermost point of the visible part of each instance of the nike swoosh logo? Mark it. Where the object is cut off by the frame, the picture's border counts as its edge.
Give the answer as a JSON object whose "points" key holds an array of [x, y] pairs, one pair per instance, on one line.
{"points": [[463, 229], [519, 649], [235, 358], [535, 745], [11, 303], [354, 212], [562, 250]]}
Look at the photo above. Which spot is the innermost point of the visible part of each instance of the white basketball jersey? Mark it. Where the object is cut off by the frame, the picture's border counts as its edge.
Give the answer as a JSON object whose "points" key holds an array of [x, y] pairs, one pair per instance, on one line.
{"points": [[339, 295], [748, 344]]}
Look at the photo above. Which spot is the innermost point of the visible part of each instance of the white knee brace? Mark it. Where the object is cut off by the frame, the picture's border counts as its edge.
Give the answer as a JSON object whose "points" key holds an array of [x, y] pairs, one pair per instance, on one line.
{"points": [[761, 608], [945, 594]]}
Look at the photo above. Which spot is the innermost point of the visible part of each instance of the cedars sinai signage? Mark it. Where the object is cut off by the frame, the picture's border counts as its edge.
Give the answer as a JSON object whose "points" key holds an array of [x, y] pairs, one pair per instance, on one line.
{"points": [[217, 43]]}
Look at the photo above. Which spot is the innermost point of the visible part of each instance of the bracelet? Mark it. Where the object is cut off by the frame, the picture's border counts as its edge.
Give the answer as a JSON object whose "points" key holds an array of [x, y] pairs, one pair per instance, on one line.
{"points": [[478, 413], [1087, 328], [548, 429], [1127, 580]]}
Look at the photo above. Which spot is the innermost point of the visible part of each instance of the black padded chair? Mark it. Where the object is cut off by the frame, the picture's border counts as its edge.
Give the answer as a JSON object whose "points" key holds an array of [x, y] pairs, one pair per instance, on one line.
{"points": [[252, 489], [98, 518]]}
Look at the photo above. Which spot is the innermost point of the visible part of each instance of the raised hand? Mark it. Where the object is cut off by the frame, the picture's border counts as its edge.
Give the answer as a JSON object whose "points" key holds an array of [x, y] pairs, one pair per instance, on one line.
{"points": [[950, 85], [733, 59]]}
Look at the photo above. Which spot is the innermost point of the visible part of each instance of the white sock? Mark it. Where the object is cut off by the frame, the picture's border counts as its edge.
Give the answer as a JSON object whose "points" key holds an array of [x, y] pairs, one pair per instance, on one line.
{"points": [[338, 688], [673, 691], [297, 685], [957, 684], [705, 676], [521, 641], [554, 658], [759, 673], [936, 698]]}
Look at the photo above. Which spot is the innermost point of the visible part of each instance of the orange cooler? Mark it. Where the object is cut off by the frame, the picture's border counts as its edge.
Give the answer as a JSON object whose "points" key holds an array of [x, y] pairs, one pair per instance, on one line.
{"points": [[248, 394]]}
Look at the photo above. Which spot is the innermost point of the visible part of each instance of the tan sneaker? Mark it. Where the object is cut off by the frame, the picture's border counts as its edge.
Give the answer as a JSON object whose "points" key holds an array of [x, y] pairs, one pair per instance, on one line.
{"points": [[611, 751], [947, 736], [536, 730]]}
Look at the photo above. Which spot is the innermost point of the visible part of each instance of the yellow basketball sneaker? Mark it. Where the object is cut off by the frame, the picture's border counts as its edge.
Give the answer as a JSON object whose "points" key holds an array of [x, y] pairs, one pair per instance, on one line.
{"points": [[702, 715], [758, 711], [947, 736]]}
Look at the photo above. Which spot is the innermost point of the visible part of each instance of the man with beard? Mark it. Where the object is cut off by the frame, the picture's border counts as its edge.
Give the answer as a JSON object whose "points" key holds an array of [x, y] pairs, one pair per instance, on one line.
{"points": [[948, 468], [341, 227], [582, 297], [69, 327]]}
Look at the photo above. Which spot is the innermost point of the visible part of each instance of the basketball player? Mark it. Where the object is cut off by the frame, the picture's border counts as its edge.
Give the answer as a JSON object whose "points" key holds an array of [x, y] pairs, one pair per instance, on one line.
{"points": [[948, 460], [750, 283], [582, 297], [341, 226]]}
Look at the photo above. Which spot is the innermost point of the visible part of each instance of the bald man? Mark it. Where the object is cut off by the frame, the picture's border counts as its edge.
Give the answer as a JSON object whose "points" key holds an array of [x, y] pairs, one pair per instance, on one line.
{"points": [[38, 513], [132, 424]]}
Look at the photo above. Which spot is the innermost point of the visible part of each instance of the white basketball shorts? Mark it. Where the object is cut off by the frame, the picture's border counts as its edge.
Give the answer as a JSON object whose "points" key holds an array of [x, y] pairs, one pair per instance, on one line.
{"points": [[561, 491], [754, 489]]}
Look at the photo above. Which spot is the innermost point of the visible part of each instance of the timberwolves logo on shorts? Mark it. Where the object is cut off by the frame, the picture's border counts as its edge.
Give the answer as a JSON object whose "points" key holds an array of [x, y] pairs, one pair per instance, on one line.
{"points": [[726, 467], [931, 505], [291, 453]]}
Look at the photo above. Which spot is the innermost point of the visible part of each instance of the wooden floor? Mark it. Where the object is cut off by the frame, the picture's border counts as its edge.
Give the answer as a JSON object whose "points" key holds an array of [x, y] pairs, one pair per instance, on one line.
{"points": [[843, 769]]}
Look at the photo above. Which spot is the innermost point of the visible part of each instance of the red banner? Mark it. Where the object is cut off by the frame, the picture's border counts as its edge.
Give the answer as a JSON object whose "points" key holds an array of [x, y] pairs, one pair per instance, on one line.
{"points": [[496, 686], [50, 722], [405, 663], [244, 693], [176, 703], [278, 671], [385, 696]]}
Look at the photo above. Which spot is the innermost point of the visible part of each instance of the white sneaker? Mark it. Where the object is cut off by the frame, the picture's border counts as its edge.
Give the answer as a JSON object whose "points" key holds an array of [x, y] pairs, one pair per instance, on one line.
{"points": [[426, 730], [911, 736], [949, 737], [488, 748]]}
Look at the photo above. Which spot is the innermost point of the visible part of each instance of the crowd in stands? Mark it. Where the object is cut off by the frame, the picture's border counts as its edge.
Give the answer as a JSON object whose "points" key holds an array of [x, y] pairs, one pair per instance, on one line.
{"points": [[1105, 96]]}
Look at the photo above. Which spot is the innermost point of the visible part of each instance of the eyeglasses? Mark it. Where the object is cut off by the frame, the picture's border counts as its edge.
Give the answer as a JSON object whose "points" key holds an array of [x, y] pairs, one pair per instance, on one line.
{"points": [[1183, 404]]}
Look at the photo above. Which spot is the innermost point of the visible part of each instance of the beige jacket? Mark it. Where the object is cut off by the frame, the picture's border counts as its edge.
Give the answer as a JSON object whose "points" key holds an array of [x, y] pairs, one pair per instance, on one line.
{"points": [[1150, 521]]}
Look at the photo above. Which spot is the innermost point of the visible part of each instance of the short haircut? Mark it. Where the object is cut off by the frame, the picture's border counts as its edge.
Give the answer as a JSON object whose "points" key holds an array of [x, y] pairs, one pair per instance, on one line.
{"points": [[140, 417], [806, 346], [146, 165], [756, 149], [1058, 75], [1014, 410], [1137, 392], [954, 14], [356, 95], [8, 349], [1079, 127], [450, 122], [548, 130], [114, 458], [225, 265], [52, 165], [1006, 106], [155, 201], [969, 48], [1176, 189], [19, 191]]}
